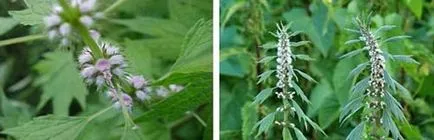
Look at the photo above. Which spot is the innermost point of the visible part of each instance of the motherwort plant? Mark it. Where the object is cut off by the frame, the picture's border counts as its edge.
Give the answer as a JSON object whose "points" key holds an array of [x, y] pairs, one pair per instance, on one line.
{"points": [[286, 88], [373, 95], [101, 63]]}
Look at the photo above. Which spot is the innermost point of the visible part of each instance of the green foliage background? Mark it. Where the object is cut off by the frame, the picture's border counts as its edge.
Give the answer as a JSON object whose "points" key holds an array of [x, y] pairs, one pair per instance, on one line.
{"points": [[167, 41], [244, 28]]}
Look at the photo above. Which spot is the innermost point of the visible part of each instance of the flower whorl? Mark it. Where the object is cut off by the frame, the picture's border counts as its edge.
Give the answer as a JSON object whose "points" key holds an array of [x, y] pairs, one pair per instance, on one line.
{"points": [[60, 27], [140, 86], [100, 71]]}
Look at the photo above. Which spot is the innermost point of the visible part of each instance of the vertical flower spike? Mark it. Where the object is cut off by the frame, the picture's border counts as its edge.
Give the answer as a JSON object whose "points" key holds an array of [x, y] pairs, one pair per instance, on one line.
{"points": [[59, 26], [100, 71], [285, 87], [380, 106]]}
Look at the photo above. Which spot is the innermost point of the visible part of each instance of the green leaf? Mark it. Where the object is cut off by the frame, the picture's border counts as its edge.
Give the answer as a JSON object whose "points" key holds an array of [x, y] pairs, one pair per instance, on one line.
{"points": [[300, 92], [231, 11], [394, 107], [314, 125], [195, 9], [389, 81], [356, 71], [299, 112], [265, 124], [264, 76], [299, 134], [6, 24], [263, 95], [384, 28], [267, 59], [249, 117], [396, 38], [300, 43], [351, 108], [170, 45], [13, 112], [416, 6], [304, 57], [139, 58], [133, 134], [405, 59], [198, 91], [389, 125], [286, 134], [35, 12], [357, 132], [49, 127], [352, 41], [269, 45], [360, 88], [352, 53], [405, 93], [155, 27], [196, 54], [60, 81], [305, 76]]}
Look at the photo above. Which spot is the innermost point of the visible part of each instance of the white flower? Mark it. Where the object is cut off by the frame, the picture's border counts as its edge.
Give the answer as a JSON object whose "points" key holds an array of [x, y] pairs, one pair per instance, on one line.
{"points": [[175, 88], [52, 20], [86, 57], [86, 21], [88, 71], [162, 91], [52, 34], [138, 82], [87, 6], [116, 60], [65, 29], [65, 41], [142, 95], [95, 35]]}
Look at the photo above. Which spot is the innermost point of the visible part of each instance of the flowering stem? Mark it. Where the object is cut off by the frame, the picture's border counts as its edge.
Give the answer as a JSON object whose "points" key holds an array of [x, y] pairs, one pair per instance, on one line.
{"points": [[114, 6], [84, 33], [21, 39]]}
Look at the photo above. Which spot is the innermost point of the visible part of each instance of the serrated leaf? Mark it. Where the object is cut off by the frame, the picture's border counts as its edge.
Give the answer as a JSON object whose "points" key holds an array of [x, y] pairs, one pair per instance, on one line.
{"points": [[405, 59], [264, 76], [356, 71], [350, 108], [304, 57], [314, 125], [249, 117], [178, 9], [267, 59], [263, 95], [384, 28], [196, 54], [299, 134], [305, 76], [60, 81], [49, 127], [300, 43], [352, 41], [389, 125], [265, 124], [357, 132], [35, 12], [6, 24], [286, 134], [352, 53], [300, 92], [197, 91], [396, 38]]}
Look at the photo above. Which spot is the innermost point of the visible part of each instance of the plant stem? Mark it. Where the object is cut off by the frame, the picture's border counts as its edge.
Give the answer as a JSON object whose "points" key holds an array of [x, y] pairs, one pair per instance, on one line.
{"points": [[198, 118], [89, 40], [21, 39], [113, 6]]}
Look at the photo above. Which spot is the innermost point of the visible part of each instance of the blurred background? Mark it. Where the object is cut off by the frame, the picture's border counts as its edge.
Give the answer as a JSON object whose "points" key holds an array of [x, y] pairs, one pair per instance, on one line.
{"points": [[245, 26], [153, 36]]}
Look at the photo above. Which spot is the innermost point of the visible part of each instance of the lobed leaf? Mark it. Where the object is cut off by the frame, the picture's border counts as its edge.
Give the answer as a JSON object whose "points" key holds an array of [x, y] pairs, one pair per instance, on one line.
{"points": [[264, 76], [356, 71], [249, 117], [265, 124], [357, 132], [304, 57], [352, 53], [305, 76], [263, 95], [405, 59]]}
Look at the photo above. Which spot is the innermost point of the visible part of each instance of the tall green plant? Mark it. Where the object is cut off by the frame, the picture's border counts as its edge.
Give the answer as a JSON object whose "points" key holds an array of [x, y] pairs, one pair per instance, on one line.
{"points": [[373, 95]]}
